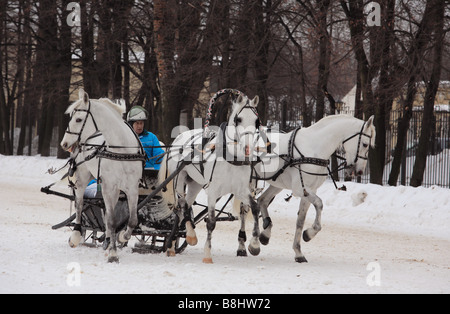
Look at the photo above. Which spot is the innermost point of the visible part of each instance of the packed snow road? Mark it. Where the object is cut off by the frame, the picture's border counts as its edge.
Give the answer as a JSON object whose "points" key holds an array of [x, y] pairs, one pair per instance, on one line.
{"points": [[374, 240]]}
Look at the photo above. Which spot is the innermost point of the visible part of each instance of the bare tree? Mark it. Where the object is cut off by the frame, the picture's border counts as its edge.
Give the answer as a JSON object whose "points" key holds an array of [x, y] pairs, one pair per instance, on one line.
{"points": [[413, 67], [430, 94]]}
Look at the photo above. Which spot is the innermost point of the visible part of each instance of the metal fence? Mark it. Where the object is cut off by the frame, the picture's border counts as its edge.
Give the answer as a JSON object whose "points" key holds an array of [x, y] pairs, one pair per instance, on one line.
{"points": [[437, 171]]}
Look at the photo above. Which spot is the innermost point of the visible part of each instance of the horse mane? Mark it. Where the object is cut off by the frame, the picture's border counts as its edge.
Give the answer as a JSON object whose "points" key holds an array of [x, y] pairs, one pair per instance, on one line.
{"points": [[118, 106], [341, 116], [336, 117]]}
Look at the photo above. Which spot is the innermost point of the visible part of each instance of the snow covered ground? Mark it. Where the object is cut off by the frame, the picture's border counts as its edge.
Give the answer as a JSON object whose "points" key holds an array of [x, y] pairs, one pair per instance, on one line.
{"points": [[374, 240]]}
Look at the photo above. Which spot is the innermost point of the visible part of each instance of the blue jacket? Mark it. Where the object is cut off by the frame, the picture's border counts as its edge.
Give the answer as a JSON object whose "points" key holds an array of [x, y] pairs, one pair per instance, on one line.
{"points": [[152, 148]]}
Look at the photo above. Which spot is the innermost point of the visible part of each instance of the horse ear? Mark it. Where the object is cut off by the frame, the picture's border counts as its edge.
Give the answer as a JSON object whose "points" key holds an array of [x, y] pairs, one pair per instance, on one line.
{"points": [[370, 121], [370, 124], [83, 95], [240, 99], [255, 101]]}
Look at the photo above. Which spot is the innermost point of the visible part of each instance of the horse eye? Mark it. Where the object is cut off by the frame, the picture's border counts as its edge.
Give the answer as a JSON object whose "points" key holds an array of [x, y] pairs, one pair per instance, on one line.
{"points": [[238, 120], [365, 145], [78, 120]]}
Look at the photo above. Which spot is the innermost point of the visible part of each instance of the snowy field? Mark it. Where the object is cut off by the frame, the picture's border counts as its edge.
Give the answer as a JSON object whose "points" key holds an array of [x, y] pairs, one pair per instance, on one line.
{"points": [[374, 240]]}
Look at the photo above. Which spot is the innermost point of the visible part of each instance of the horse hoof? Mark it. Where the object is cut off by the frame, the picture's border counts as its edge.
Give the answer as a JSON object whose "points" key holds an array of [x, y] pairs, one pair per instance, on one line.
{"points": [[306, 236], [191, 240], [122, 238], [170, 253], [71, 244], [241, 252], [75, 239], [301, 259], [207, 260], [254, 250], [264, 239], [106, 243], [113, 259]]}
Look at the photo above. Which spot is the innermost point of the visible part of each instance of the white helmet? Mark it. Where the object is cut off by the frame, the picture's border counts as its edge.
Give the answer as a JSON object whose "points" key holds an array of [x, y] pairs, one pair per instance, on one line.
{"points": [[137, 113]]}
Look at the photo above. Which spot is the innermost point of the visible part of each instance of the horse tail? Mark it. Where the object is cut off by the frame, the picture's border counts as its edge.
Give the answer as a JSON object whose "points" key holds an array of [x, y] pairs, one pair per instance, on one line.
{"points": [[168, 193]]}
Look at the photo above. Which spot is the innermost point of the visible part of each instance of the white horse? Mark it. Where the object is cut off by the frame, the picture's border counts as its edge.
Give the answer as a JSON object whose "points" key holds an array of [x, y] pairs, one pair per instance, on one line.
{"points": [[221, 166], [298, 162], [107, 149]]}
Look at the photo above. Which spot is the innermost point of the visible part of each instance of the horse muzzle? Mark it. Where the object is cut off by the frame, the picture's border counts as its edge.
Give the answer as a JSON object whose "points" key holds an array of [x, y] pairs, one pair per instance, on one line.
{"points": [[352, 171], [247, 151], [68, 148]]}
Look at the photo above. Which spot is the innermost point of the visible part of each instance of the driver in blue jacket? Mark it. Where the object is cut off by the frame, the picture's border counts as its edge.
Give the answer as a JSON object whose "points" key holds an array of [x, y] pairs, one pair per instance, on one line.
{"points": [[136, 117]]}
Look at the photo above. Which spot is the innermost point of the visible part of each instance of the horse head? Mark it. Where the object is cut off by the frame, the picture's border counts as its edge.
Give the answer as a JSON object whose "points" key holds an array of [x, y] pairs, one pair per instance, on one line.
{"points": [[357, 147], [243, 124], [79, 113]]}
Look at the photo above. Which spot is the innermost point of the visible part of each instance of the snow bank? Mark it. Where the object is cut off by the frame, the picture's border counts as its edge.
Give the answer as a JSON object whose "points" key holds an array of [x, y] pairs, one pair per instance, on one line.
{"points": [[423, 211]]}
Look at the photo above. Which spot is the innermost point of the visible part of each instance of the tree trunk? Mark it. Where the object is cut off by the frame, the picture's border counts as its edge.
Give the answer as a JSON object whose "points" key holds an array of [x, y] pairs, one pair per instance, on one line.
{"points": [[355, 15], [5, 140], [324, 58], [415, 54], [87, 46], [430, 94], [47, 61], [239, 62], [164, 35], [384, 94], [262, 42], [64, 71]]}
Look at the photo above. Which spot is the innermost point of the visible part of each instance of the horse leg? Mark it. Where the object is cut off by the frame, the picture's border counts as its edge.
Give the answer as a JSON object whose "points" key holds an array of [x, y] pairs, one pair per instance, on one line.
{"points": [[170, 242], [242, 237], [132, 199], [110, 198], [264, 201], [75, 237], [210, 226], [304, 205], [254, 247], [316, 227], [193, 189]]}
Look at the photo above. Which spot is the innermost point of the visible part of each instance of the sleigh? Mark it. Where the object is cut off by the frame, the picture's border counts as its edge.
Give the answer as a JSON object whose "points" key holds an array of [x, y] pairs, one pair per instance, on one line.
{"points": [[158, 226]]}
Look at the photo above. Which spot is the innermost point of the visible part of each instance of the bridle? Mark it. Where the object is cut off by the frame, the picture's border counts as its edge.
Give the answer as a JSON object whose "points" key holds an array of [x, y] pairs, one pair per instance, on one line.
{"points": [[88, 113], [236, 121], [360, 134]]}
